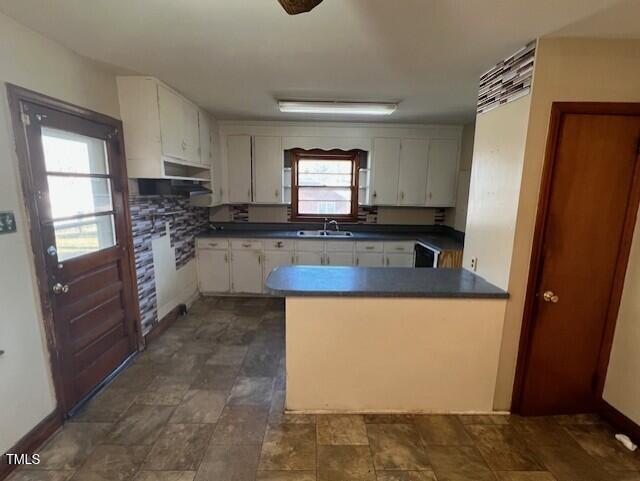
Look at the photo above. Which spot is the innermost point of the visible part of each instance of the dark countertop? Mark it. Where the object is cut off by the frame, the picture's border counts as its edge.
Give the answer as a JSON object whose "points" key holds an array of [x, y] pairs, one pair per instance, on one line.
{"points": [[303, 281], [437, 237]]}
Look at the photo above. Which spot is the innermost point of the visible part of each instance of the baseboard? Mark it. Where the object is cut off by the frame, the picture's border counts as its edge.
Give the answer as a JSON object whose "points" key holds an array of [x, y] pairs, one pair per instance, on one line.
{"points": [[620, 421], [31, 441]]}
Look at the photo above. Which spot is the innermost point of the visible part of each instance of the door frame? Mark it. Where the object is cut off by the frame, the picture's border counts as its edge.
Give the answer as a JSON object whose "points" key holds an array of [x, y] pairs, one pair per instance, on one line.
{"points": [[558, 110], [16, 95]]}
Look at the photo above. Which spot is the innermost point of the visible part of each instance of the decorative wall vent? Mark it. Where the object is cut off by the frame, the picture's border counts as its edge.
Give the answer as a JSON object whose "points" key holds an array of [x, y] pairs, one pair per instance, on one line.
{"points": [[507, 81]]}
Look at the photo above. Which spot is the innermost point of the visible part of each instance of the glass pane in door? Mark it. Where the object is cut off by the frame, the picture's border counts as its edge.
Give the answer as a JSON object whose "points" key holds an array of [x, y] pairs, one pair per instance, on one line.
{"points": [[73, 153], [83, 236]]}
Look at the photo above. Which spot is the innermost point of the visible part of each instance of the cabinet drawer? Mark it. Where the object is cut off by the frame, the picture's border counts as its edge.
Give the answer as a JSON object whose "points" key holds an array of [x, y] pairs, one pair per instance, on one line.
{"points": [[339, 246], [278, 244], [310, 246], [400, 246], [246, 244], [212, 243], [363, 246]]}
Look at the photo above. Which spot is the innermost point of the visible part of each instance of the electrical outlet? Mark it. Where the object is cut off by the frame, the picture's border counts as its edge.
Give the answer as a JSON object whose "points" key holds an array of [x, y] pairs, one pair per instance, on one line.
{"points": [[7, 223], [474, 264]]}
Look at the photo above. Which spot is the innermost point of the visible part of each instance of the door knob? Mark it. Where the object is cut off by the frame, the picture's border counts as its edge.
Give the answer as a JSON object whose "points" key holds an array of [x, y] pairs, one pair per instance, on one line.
{"points": [[549, 296], [60, 288]]}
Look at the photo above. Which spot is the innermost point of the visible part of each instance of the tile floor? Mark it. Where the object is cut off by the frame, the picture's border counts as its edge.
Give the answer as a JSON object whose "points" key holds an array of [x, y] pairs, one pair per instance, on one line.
{"points": [[205, 403]]}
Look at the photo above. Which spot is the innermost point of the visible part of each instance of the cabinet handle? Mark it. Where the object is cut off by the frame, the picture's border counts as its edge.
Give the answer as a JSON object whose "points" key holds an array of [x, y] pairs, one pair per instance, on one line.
{"points": [[369, 248], [399, 248], [277, 194], [402, 195], [279, 244], [259, 259], [226, 258], [322, 260], [375, 194], [293, 259], [387, 262], [357, 260], [328, 260], [246, 245], [430, 195], [184, 145]]}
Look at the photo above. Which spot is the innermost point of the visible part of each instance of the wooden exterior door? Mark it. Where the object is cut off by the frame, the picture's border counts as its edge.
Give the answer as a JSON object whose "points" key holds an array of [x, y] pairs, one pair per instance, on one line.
{"points": [[76, 188], [587, 213]]}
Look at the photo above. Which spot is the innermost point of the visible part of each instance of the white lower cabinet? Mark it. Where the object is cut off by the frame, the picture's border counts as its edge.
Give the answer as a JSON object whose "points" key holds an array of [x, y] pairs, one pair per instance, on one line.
{"points": [[273, 259], [339, 258], [309, 258], [213, 270], [399, 260], [369, 259], [246, 271]]}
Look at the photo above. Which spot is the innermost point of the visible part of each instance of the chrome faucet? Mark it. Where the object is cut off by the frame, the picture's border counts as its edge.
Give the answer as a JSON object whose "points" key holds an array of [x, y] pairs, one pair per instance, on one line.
{"points": [[334, 222]]}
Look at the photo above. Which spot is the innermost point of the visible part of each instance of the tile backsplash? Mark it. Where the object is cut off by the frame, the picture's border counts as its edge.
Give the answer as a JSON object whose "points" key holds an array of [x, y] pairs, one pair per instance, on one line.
{"points": [[149, 218]]}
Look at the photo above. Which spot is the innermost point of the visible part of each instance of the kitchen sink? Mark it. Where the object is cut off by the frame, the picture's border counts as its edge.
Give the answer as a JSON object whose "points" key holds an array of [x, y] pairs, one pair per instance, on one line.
{"points": [[324, 233]]}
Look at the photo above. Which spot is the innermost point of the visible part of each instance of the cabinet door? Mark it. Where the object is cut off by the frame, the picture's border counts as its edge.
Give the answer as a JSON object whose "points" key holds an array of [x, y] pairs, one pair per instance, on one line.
{"points": [[213, 270], [412, 185], [239, 168], [246, 271], [370, 259], [386, 162], [273, 259], [309, 258], [442, 179], [204, 129], [171, 123], [190, 132], [216, 166], [268, 162], [399, 260], [339, 258]]}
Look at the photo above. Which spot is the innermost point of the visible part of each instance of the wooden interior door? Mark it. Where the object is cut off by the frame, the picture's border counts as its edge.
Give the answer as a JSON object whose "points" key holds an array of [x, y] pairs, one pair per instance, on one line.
{"points": [[587, 213], [80, 230]]}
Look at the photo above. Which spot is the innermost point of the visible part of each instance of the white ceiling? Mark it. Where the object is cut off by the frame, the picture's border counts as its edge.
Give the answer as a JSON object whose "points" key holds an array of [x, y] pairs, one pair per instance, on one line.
{"points": [[235, 57]]}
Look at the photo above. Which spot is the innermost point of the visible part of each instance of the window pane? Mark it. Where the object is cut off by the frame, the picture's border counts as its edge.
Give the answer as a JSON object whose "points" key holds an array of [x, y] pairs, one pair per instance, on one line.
{"points": [[82, 236], [71, 196], [319, 166], [322, 193], [324, 180], [314, 207], [73, 153]]}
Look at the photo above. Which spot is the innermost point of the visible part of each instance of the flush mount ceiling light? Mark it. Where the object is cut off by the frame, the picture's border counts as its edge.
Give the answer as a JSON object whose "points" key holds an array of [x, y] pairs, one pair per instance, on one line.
{"points": [[294, 7], [347, 108]]}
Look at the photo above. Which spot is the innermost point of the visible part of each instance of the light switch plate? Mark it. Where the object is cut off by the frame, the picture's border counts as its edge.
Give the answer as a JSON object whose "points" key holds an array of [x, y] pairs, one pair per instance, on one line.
{"points": [[7, 223]]}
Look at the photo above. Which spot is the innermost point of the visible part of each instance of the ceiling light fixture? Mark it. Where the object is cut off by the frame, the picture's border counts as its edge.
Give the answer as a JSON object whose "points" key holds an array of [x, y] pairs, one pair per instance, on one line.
{"points": [[329, 107]]}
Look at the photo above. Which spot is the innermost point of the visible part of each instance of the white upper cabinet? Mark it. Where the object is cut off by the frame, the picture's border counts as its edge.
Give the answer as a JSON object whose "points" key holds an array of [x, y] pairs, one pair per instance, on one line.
{"points": [[161, 130], [386, 164], [442, 178], [171, 123], [268, 162], [412, 184], [206, 147], [239, 168]]}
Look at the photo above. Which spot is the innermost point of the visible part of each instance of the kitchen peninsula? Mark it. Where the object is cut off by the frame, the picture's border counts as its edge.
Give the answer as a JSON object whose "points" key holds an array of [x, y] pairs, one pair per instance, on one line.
{"points": [[389, 339]]}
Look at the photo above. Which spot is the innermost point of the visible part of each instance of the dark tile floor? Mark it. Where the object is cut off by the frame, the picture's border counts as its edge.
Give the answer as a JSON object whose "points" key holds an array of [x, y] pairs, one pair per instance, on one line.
{"points": [[205, 403]]}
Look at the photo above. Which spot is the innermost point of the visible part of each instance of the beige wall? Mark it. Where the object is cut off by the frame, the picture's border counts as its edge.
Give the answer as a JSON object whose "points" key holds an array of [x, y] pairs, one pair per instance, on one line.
{"points": [[31, 61], [392, 355], [569, 70], [498, 155]]}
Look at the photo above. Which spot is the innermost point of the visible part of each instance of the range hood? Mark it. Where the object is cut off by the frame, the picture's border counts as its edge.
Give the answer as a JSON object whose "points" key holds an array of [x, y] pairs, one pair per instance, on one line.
{"points": [[188, 188]]}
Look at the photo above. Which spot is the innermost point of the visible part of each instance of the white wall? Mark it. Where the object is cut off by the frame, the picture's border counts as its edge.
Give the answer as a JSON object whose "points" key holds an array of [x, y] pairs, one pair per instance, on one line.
{"points": [[457, 217], [29, 60], [498, 155]]}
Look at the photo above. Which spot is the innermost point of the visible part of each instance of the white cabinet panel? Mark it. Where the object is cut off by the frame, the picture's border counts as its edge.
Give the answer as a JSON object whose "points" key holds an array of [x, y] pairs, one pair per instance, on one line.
{"points": [[213, 270], [268, 162], [309, 258], [273, 259], [190, 132], [246, 271], [339, 258], [369, 259], [412, 184], [386, 163], [171, 122], [443, 173], [204, 127], [399, 260], [239, 168]]}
